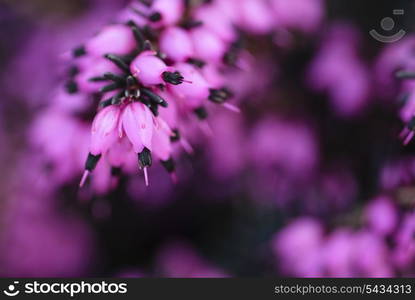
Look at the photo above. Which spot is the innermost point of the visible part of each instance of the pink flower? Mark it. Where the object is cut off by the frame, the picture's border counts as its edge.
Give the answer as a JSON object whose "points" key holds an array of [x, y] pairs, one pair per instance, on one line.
{"points": [[255, 16], [151, 70], [170, 11], [207, 45], [137, 122], [115, 39], [304, 15], [219, 17], [162, 147], [104, 127], [91, 68], [193, 93], [176, 43]]}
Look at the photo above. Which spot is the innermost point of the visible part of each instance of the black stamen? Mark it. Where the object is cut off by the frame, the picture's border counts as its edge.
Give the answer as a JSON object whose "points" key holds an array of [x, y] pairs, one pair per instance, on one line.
{"points": [[219, 95], [174, 78], [169, 165], [119, 62], [116, 171], [190, 24], [71, 87], [196, 62], [155, 17], [92, 161], [176, 136], [201, 113], [79, 51], [145, 159], [73, 71]]}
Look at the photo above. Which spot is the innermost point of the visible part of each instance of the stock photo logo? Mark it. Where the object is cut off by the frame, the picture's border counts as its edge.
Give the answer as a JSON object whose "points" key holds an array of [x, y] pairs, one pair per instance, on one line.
{"points": [[11, 290], [388, 24]]}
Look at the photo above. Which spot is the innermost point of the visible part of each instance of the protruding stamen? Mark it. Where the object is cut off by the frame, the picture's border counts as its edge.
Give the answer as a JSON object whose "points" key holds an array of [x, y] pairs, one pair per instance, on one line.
{"points": [[146, 176], [231, 107], [187, 146], [408, 138], [205, 127], [219, 95], [84, 178], [174, 78], [145, 159], [404, 133]]}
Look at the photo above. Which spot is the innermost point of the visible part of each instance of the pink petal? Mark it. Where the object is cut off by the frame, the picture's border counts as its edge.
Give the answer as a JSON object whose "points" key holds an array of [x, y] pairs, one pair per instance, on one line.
{"points": [[137, 122]]}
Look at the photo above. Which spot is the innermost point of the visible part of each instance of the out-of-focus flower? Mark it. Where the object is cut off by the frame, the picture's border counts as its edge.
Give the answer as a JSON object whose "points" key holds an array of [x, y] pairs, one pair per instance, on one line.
{"points": [[304, 249], [303, 15], [298, 248], [180, 260], [339, 71]]}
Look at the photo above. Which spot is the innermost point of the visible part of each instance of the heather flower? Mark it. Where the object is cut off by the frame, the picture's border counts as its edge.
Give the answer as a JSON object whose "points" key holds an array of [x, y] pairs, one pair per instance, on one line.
{"points": [[339, 71], [116, 39], [303, 15], [151, 70], [255, 16], [298, 247], [207, 45], [382, 216], [176, 44]]}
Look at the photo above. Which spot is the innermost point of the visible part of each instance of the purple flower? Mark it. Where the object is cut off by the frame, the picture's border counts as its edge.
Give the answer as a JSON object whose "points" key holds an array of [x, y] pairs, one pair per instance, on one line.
{"points": [[339, 71]]}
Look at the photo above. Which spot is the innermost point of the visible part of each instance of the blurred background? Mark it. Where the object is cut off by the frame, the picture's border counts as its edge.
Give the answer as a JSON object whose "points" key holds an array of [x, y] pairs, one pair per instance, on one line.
{"points": [[310, 179]]}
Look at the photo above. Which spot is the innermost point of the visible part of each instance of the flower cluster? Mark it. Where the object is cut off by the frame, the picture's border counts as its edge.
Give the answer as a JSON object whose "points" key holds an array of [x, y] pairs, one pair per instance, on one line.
{"points": [[154, 71], [381, 246]]}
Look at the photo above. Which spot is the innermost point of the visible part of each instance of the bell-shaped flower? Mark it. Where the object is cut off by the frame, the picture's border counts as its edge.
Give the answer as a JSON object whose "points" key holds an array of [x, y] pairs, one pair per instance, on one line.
{"points": [[151, 70], [192, 94], [114, 39], [162, 147], [176, 43], [208, 46], [104, 133], [137, 123]]}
